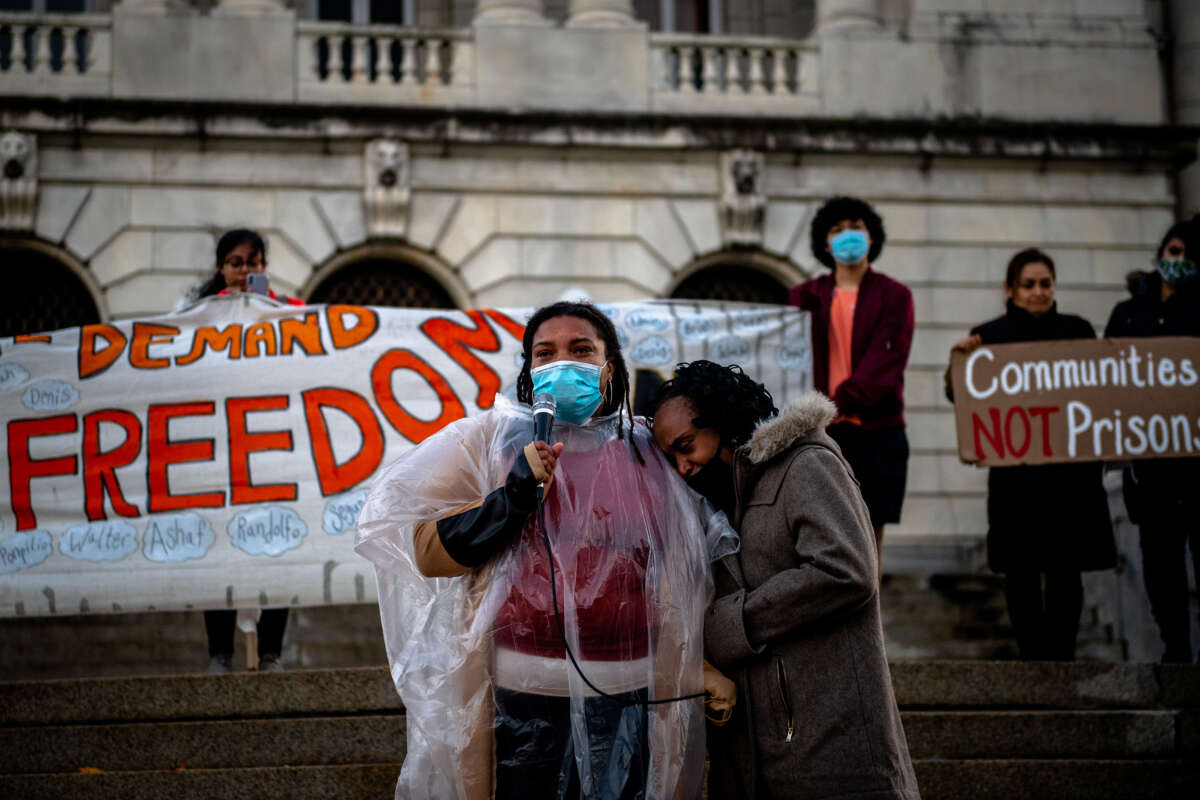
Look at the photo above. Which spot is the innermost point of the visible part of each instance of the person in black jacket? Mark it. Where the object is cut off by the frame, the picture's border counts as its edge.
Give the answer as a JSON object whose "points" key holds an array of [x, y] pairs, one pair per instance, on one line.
{"points": [[1161, 495], [1048, 523]]}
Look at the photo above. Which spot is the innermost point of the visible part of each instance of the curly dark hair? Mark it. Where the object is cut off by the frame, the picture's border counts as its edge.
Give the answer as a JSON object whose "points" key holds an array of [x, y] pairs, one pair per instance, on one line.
{"points": [[724, 398], [618, 398], [836, 210]]}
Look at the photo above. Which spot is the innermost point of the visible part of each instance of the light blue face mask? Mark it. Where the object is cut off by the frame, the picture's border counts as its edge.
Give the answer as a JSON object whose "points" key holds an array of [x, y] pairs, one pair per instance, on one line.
{"points": [[575, 386], [849, 246]]}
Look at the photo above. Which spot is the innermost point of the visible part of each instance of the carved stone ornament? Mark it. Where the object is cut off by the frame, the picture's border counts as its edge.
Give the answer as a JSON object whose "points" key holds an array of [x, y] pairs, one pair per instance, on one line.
{"points": [[743, 204], [386, 192], [18, 181]]}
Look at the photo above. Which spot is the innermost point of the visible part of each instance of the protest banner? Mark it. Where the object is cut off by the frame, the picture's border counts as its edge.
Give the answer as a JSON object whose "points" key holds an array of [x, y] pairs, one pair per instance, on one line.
{"points": [[1077, 400], [219, 457]]}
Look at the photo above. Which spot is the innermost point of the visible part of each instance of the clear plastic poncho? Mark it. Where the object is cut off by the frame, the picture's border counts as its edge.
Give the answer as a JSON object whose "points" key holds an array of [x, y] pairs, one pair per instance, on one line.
{"points": [[631, 546]]}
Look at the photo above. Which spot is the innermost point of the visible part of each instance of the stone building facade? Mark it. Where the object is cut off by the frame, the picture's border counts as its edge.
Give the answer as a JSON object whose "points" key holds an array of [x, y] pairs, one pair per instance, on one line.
{"points": [[503, 152]]}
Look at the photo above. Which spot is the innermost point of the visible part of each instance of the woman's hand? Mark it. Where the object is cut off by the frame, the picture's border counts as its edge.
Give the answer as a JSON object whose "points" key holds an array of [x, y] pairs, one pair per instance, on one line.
{"points": [[967, 345], [549, 456], [720, 695]]}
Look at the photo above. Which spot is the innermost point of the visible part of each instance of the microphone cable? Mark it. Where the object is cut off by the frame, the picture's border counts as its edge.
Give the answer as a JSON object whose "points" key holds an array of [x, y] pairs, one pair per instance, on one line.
{"points": [[562, 628]]}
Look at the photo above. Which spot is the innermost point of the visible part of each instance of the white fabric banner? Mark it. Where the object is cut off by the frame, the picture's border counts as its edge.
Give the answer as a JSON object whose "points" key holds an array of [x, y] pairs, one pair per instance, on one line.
{"points": [[218, 457]]}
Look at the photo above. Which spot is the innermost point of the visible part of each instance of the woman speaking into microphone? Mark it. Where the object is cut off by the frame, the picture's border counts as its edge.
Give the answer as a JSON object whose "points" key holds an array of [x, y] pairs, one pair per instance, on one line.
{"points": [[552, 652]]}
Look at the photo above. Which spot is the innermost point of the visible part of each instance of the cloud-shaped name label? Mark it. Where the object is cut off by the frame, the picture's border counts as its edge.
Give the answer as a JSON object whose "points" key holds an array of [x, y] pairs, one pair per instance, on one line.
{"points": [[50, 395], [639, 320], [653, 351], [24, 550], [99, 541], [268, 531], [693, 328], [12, 375], [341, 512], [751, 320], [177, 537], [730, 350], [795, 356]]}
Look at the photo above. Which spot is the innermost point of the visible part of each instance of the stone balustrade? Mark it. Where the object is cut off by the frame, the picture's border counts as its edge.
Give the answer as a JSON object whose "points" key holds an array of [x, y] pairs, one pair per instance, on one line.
{"points": [[733, 74], [56, 54], [338, 62]]}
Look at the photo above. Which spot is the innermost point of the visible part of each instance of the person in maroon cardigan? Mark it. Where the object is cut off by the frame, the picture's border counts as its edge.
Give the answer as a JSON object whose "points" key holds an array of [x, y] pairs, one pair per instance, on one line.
{"points": [[862, 329]]}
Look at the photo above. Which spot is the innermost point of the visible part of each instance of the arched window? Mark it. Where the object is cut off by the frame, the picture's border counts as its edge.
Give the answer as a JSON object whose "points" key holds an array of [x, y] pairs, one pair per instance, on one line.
{"points": [[743, 276], [41, 293], [387, 274]]}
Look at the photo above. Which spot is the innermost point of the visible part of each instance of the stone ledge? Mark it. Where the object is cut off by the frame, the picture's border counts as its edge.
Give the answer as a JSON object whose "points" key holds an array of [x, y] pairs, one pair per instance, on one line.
{"points": [[919, 685], [344, 782]]}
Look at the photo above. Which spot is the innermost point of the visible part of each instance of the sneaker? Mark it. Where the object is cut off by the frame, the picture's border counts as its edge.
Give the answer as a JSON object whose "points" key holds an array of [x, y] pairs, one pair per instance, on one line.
{"points": [[220, 664], [269, 663]]}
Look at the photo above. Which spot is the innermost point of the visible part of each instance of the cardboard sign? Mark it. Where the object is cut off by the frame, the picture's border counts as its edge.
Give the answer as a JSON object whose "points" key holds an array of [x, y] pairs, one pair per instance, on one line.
{"points": [[219, 457], [1078, 400]]}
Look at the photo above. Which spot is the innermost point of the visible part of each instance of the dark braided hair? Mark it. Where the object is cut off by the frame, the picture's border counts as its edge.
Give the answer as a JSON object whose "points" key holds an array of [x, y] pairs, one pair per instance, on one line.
{"points": [[617, 398], [724, 398]]}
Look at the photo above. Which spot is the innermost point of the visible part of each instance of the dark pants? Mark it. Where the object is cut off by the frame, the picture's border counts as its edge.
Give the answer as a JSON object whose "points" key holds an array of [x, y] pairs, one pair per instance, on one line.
{"points": [[220, 626], [1164, 543], [535, 752], [1045, 622]]}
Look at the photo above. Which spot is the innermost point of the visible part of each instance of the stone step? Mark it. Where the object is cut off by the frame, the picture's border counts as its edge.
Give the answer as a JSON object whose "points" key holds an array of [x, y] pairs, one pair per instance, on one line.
{"points": [[1050, 734], [343, 781], [1086, 779], [998, 779], [381, 738], [918, 684], [303, 741]]}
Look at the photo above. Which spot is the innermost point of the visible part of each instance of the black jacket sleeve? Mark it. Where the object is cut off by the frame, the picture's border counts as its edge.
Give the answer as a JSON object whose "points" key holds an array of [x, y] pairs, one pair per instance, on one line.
{"points": [[475, 535]]}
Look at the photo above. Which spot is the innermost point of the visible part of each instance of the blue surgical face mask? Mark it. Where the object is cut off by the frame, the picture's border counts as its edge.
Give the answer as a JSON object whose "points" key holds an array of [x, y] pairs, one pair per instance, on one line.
{"points": [[1177, 272], [575, 386], [849, 246]]}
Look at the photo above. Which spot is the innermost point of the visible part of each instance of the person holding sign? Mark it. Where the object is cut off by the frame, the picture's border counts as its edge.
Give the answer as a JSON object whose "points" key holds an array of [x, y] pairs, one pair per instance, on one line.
{"points": [[1042, 552], [240, 253], [547, 649], [1162, 496], [862, 330], [796, 621]]}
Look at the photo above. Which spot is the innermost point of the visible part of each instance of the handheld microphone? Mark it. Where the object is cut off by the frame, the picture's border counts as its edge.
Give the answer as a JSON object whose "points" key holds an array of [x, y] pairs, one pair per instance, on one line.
{"points": [[544, 406]]}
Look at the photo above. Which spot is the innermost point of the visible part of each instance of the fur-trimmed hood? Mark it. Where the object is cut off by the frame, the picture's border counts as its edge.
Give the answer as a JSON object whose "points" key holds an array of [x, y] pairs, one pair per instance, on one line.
{"points": [[808, 413]]}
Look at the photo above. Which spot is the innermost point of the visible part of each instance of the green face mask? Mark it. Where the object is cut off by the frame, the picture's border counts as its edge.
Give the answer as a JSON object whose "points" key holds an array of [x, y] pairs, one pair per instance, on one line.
{"points": [[1177, 272]]}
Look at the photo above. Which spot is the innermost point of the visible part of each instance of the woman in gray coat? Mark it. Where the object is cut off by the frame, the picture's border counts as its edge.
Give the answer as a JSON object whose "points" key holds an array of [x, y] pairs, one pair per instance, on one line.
{"points": [[795, 622]]}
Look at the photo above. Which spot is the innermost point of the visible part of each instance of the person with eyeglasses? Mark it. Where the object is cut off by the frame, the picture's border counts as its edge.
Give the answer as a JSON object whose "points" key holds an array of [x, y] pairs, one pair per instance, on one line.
{"points": [[240, 253], [1161, 494], [1042, 554]]}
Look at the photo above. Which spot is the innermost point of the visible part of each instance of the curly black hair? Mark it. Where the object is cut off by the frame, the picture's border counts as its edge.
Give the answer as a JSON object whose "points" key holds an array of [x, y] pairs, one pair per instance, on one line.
{"points": [[836, 210], [617, 399], [724, 398]]}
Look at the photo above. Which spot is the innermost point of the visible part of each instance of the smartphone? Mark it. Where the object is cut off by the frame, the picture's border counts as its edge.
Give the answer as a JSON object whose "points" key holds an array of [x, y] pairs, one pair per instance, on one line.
{"points": [[256, 282]]}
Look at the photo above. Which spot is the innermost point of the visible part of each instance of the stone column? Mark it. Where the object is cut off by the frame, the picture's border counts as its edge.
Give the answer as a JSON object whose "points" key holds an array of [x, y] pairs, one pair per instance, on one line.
{"points": [[840, 15], [1185, 29], [600, 14], [249, 8], [509, 12]]}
